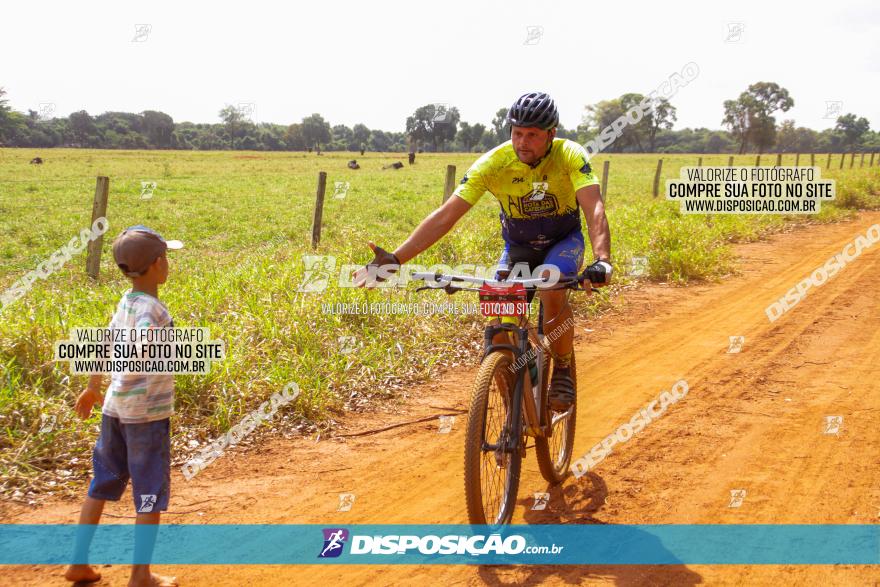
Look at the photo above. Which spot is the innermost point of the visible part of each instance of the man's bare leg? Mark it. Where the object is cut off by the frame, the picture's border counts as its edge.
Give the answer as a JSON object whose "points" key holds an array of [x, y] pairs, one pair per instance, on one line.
{"points": [[89, 516], [557, 312], [560, 333]]}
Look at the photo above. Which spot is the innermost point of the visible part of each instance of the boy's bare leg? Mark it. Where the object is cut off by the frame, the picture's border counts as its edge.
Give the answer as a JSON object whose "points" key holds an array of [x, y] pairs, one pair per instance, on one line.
{"points": [[144, 541], [89, 516]]}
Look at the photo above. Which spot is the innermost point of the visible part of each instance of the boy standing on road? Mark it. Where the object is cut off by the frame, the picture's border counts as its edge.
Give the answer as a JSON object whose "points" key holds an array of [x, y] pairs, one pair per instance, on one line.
{"points": [[135, 440]]}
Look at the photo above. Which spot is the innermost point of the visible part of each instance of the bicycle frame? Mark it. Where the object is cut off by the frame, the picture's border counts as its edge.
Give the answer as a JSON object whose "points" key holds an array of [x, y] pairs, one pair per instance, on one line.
{"points": [[521, 402]]}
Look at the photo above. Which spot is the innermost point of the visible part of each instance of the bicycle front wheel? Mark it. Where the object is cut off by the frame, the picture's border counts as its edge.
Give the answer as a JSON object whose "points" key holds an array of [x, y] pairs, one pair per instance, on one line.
{"points": [[491, 470]]}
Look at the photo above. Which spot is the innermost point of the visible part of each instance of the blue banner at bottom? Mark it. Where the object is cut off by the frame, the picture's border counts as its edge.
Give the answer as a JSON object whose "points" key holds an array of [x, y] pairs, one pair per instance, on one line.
{"points": [[270, 544]]}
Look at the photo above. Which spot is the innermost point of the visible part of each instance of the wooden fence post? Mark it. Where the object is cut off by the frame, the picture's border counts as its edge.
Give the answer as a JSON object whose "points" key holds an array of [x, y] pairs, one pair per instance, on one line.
{"points": [[700, 162], [871, 164], [449, 187], [778, 159], [862, 160], [828, 163], [758, 161], [797, 160], [99, 209], [605, 167], [842, 159], [730, 161], [812, 159], [657, 177], [319, 209], [852, 159]]}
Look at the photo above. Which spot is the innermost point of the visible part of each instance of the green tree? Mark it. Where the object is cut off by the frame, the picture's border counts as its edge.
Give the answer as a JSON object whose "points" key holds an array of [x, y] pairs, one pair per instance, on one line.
{"points": [[498, 123], [602, 114], [787, 137], [294, 139], [852, 129], [430, 124], [158, 128], [468, 135], [660, 117], [341, 138], [232, 117], [83, 129], [6, 131], [564, 133], [360, 135], [478, 131], [791, 139], [807, 140], [764, 133], [315, 130], [379, 141], [750, 117]]}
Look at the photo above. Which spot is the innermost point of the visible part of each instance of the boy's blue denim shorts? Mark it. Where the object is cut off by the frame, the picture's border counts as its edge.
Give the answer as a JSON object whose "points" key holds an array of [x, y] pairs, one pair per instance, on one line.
{"points": [[140, 452]]}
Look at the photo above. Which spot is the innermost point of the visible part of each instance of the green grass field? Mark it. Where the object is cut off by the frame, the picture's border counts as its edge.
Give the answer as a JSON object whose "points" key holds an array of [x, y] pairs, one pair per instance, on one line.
{"points": [[246, 220]]}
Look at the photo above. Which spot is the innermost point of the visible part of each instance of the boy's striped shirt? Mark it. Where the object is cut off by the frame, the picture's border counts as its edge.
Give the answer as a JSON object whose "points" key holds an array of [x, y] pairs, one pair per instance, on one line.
{"points": [[135, 397]]}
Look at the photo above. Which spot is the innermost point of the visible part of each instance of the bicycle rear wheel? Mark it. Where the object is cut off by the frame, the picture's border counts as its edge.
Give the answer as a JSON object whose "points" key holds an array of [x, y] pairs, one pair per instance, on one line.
{"points": [[554, 453], [491, 474]]}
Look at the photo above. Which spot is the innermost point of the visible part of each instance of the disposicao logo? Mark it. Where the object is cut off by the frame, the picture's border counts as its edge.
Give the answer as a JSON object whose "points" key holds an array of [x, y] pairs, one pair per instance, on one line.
{"points": [[334, 540], [477, 545]]}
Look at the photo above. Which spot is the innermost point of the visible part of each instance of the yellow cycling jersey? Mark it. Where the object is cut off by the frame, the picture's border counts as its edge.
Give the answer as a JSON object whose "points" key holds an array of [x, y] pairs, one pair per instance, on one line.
{"points": [[538, 204]]}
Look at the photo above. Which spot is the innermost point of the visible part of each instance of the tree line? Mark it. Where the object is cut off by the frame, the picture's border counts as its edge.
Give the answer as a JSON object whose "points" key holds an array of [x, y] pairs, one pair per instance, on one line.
{"points": [[749, 123]]}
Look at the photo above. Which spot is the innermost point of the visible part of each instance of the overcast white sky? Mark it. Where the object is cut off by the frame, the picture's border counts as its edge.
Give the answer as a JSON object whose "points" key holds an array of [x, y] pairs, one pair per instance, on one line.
{"points": [[375, 62]]}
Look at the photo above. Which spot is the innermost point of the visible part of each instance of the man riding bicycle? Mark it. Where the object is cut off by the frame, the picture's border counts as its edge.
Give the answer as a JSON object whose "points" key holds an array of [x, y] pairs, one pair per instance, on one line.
{"points": [[540, 183]]}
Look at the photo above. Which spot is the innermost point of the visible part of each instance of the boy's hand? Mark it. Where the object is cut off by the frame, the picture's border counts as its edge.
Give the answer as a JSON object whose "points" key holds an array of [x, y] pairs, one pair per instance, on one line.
{"points": [[86, 401]]}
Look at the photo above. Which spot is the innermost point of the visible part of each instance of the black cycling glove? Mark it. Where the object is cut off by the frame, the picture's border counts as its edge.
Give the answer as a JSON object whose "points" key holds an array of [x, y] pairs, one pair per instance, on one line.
{"points": [[599, 273]]}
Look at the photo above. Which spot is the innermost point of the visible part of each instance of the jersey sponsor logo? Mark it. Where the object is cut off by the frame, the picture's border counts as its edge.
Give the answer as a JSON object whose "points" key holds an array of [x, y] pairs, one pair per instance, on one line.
{"points": [[533, 204], [464, 179], [518, 180], [586, 169]]}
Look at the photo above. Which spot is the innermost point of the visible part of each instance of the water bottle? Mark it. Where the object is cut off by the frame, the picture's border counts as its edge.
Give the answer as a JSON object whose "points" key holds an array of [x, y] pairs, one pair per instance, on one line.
{"points": [[538, 365], [533, 368]]}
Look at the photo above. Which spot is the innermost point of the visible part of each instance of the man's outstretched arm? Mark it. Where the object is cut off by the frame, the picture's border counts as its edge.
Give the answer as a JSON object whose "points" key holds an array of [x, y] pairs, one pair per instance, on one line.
{"points": [[429, 231]]}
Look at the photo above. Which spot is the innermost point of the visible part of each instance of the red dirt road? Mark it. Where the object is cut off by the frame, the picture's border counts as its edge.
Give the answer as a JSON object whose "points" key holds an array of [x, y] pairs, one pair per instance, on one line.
{"points": [[753, 420]]}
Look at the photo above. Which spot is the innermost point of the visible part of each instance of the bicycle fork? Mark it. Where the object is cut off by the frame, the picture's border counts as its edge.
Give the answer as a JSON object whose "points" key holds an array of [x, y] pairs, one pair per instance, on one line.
{"points": [[511, 434]]}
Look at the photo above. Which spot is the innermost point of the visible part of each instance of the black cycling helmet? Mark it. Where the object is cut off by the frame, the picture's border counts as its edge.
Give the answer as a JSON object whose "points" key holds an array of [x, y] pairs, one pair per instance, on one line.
{"points": [[535, 109]]}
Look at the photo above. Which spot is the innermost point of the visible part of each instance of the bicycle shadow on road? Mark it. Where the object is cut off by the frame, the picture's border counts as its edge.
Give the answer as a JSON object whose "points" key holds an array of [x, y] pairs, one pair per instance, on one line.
{"points": [[577, 502]]}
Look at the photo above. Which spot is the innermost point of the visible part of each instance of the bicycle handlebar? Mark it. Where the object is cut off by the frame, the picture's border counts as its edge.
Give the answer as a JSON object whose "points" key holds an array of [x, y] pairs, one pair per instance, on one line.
{"points": [[530, 283]]}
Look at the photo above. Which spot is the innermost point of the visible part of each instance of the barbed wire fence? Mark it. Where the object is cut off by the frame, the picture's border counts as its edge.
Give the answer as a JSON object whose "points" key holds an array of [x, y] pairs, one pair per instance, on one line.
{"points": [[102, 187]]}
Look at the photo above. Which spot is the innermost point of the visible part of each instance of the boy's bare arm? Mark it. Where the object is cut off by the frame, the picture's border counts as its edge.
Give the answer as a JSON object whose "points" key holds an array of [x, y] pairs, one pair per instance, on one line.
{"points": [[92, 395]]}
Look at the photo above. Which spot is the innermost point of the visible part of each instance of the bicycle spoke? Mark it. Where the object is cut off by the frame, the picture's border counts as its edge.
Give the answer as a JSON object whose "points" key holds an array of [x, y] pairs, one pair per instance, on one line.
{"points": [[560, 431]]}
